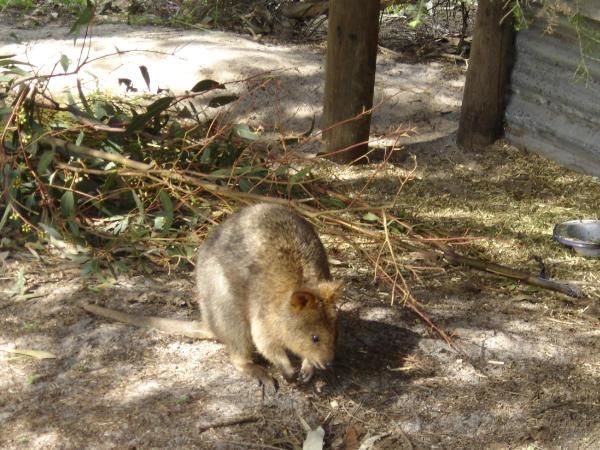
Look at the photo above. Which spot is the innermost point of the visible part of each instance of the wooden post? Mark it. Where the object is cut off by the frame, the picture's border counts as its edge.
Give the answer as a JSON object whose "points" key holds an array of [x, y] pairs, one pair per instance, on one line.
{"points": [[484, 99], [350, 77]]}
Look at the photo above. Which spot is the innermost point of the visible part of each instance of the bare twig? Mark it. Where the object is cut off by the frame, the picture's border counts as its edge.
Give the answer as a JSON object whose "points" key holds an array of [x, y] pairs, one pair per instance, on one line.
{"points": [[227, 423], [93, 153]]}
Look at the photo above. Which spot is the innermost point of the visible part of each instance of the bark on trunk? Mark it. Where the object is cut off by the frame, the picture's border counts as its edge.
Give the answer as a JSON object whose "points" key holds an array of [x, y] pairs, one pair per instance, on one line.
{"points": [[484, 99], [350, 77]]}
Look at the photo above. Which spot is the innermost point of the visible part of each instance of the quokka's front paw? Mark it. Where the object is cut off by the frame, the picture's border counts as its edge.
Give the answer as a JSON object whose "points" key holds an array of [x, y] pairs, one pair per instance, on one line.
{"points": [[306, 372]]}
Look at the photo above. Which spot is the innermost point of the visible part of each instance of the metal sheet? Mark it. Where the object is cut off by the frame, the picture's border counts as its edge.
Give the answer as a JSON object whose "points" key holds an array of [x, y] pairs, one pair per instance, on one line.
{"points": [[551, 110]]}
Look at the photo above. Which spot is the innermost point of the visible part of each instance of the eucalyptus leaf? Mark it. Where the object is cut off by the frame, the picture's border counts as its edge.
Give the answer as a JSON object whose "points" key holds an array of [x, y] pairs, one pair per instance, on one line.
{"points": [[51, 231], [45, 161], [10, 62], [5, 216], [64, 62], [334, 203], [222, 100], [145, 75], [80, 137], [85, 17], [67, 204], [89, 268], [300, 175], [207, 85], [243, 131], [245, 185], [139, 121], [370, 217], [159, 222], [138, 203], [167, 207], [73, 226]]}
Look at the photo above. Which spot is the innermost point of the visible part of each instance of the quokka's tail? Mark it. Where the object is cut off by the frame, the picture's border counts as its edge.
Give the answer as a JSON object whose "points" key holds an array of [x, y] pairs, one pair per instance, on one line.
{"points": [[188, 328]]}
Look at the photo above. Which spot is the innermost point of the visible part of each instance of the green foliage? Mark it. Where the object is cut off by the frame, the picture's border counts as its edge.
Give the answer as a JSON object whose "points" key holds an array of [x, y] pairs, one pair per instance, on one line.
{"points": [[100, 177], [520, 16], [20, 4], [29, 4], [416, 11]]}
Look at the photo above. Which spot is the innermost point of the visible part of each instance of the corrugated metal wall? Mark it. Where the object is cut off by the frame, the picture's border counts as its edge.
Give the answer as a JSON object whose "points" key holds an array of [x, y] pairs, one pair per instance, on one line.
{"points": [[551, 110]]}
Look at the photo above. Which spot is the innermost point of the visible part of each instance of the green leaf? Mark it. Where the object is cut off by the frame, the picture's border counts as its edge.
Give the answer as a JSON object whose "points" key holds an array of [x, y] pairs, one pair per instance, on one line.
{"points": [[370, 217], [299, 176], [222, 100], [64, 62], [243, 131], [10, 62], [32, 148], [138, 203], [80, 137], [51, 232], [67, 204], [139, 122], [207, 153], [73, 226], [333, 203], [207, 85], [167, 206], [45, 161], [103, 110], [159, 106], [79, 113], [86, 14], [245, 185], [159, 222], [281, 170], [5, 216], [145, 75]]}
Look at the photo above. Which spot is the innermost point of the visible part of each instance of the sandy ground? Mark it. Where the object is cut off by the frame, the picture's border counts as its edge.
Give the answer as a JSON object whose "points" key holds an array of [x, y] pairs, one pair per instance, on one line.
{"points": [[281, 85], [530, 376]]}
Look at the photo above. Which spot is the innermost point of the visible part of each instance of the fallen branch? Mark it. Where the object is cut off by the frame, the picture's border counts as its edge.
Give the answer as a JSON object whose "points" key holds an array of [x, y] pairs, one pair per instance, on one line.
{"points": [[564, 287], [93, 153], [227, 423]]}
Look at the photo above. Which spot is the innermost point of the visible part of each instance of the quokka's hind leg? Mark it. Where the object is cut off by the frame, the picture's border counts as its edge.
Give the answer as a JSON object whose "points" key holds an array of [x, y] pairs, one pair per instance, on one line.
{"points": [[243, 362]]}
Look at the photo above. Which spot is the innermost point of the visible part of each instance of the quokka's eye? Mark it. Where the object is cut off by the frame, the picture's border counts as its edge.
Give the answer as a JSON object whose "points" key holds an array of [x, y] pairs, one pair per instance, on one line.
{"points": [[315, 338]]}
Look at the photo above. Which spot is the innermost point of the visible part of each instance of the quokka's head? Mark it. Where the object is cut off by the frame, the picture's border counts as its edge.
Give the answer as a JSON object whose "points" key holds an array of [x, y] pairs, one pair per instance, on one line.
{"points": [[311, 331]]}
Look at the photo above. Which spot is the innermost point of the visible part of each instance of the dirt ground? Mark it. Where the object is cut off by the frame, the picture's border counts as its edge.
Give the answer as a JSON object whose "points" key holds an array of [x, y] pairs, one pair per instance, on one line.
{"points": [[529, 377]]}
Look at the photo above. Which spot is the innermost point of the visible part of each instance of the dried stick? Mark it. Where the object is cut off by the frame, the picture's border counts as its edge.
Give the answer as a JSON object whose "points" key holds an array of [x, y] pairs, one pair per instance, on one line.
{"points": [[563, 287], [93, 153], [452, 257], [227, 423]]}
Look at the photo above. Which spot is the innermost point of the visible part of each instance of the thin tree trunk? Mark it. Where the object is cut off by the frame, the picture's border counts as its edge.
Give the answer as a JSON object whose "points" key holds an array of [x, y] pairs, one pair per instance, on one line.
{"points": [[350, 77], [484, 99]]}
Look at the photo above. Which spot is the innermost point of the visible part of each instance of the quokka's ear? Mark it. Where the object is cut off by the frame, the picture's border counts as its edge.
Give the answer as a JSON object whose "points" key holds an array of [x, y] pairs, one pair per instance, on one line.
{"points": [[329, 290], [302, 300]]}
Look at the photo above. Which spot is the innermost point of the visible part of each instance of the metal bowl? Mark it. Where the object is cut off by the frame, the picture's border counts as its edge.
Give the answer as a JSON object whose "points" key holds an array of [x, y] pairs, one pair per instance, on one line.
{"points": [[582, 235]]}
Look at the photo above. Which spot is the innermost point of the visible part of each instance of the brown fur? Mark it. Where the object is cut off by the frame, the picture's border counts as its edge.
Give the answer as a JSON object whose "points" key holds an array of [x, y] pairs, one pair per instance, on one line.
{"points": [[263, 283]]}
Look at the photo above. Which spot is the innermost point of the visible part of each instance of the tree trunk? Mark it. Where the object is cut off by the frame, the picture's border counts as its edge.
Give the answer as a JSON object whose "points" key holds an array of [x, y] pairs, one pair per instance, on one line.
{"points": [[350, 77], [484, 99]]}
